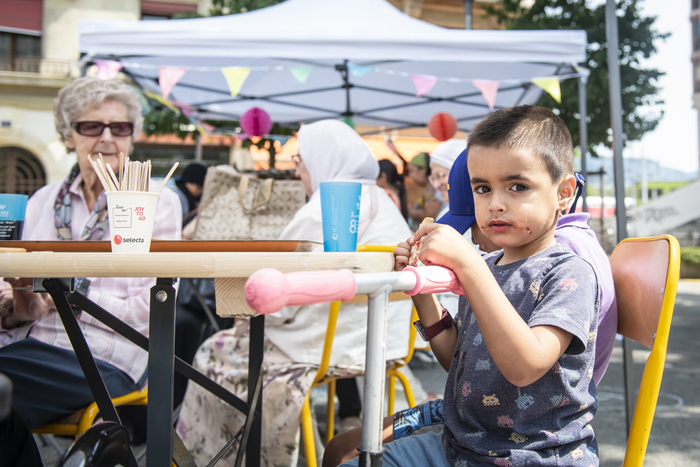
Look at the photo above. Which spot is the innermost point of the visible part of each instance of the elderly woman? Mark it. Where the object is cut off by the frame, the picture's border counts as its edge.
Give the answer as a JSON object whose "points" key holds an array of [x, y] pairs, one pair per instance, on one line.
{"points": [[92, 116], [328, 150], [441, 160]]}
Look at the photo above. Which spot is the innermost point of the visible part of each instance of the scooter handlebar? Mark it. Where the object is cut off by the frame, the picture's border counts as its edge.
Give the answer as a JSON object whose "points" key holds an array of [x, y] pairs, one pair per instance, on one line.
{"points": [[269, 290]]}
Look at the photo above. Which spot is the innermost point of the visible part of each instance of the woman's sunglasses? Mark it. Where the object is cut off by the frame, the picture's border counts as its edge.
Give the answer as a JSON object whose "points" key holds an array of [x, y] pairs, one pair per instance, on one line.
{"points": [[96, 128]]}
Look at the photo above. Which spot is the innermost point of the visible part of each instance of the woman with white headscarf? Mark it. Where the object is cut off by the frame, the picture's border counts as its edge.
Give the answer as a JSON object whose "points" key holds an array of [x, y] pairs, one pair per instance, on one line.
{"points": [[329, 150]]}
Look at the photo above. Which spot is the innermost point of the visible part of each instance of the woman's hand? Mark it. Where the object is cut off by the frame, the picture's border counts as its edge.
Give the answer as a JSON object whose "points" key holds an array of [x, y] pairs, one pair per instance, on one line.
{"points": [[18, 306], [6, 300]]}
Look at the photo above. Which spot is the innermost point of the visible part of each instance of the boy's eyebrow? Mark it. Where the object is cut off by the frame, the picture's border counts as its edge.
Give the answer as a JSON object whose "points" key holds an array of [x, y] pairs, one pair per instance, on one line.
{"points": [[514, 177], [505, 178]]}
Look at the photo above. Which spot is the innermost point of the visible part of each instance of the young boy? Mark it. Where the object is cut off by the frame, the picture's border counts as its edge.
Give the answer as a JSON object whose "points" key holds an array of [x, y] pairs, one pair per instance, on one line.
{"points": [[520, 358]]}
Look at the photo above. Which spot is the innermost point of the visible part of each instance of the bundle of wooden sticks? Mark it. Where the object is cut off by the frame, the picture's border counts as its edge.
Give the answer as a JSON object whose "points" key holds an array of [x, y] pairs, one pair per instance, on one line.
{"points": [[133, 175]]}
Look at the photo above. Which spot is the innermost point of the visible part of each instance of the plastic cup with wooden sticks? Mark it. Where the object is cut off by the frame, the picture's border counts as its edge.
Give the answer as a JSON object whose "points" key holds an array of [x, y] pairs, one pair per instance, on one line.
{"points": [[415, 249], [131, 206]]}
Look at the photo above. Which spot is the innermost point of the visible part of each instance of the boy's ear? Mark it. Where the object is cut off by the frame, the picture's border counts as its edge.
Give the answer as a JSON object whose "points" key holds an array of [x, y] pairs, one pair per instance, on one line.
{"points": [[566, 192]]}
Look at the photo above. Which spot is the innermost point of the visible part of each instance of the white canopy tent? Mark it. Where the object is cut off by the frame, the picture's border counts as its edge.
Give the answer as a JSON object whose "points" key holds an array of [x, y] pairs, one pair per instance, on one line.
{"points": [[362, 55]]}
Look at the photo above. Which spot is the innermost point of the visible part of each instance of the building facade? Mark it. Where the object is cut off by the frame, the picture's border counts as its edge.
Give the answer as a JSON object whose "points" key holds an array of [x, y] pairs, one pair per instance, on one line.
{"points": [[39, 55]]}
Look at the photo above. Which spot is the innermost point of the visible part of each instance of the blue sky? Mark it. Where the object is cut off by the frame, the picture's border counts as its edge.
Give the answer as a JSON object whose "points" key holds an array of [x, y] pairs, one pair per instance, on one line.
{"points": [[674, 143]]}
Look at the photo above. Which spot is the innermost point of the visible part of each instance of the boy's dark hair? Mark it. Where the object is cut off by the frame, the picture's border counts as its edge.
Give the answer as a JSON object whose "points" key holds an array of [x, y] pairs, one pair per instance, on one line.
{"points": [[530, 127]]}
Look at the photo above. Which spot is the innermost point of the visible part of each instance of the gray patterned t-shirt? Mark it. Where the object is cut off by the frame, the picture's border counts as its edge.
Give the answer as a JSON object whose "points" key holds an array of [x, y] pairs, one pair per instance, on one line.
{"points": [[489, 421]]}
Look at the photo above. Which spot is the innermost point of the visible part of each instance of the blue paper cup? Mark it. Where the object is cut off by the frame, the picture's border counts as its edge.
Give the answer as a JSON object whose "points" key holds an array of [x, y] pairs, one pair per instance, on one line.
{"points": [[12, 209], [340, 213]]}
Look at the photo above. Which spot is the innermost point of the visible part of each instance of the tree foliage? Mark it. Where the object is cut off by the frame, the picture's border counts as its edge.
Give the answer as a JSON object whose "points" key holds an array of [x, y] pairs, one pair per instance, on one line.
{"points": [[637, 38], [230, 7]]}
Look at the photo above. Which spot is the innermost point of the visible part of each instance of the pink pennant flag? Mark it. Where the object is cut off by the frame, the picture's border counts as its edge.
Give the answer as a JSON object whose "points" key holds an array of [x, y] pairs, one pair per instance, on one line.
{"points": [[107, 69], [424, 83], [489, 89], [168, 77]]}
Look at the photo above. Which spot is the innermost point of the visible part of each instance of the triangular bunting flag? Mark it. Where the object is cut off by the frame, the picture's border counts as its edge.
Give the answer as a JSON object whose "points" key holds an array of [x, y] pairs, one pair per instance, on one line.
{"points": [[551, 85], [301, 73], [424, 83], [204, 133], [160, 99], [235, 77], [359, 70], [168, 77], [145, 103], [107, 69], [489, 89]]}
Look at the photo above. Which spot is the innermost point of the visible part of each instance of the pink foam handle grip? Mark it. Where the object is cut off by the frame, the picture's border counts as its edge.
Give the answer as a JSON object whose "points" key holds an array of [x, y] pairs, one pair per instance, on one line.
{"points": [[434, 279], [268, 290]]}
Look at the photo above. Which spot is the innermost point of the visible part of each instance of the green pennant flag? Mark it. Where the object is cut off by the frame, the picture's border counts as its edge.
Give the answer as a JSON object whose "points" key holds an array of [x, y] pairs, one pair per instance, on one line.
{"points": [[301, 73]]}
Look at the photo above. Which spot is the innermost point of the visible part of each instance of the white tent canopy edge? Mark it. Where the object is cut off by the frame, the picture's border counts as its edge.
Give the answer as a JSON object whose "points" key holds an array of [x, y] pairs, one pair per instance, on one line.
{"points": [[327, 35]]}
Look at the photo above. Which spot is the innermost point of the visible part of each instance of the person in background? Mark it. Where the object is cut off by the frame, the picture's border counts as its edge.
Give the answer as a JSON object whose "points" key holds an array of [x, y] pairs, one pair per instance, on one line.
{"points": [[189, 189], [192, 322], [441, 160], [92, 116], [425, 203], [328, 150], [392, 181]]}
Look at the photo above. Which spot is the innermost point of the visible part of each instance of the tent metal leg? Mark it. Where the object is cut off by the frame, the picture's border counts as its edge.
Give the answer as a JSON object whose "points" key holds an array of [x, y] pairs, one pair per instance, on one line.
{"points": [[620, 211], [583, 135]]}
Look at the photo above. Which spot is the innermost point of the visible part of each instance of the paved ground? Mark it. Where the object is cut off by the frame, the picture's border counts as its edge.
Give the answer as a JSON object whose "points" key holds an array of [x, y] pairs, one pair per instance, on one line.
{"points": [[675, 436]]}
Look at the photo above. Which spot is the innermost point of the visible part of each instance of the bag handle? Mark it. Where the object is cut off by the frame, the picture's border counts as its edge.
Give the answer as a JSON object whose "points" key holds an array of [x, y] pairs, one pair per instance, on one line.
{"points": [[243, 186]]}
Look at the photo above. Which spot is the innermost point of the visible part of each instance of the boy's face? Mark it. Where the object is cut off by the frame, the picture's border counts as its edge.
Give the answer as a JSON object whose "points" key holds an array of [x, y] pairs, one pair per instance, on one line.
{"points": [[517, 204]]}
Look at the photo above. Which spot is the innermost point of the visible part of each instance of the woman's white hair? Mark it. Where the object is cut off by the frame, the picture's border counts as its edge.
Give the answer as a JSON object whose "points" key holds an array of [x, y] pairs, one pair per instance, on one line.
{"points": [[88, 93]]}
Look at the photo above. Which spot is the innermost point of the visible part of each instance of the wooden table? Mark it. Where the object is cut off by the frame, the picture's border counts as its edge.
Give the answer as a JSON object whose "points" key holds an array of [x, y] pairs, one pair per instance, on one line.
{"points": [[166, 266]]}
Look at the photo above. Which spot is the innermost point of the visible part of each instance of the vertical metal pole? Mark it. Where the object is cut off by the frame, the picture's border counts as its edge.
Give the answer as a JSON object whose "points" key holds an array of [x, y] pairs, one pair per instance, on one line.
{"points": [[583, 135], [603, 233], [198, 148], [616, 117], [161, 364], [620, 211], [467, 14], [375, 371]]}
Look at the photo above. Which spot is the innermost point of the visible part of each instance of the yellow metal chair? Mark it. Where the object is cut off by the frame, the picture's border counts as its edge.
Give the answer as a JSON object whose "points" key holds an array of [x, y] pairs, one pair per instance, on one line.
{"points": [[77, 423], [322, 376], [646, 273]]}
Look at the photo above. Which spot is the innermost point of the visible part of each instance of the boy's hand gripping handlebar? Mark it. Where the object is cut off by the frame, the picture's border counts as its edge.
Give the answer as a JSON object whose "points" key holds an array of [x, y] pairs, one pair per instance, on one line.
{"points": [[269, 290]]}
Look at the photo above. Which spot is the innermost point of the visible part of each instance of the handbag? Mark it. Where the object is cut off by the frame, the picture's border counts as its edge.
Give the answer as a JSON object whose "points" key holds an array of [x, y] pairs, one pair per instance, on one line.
{"points": [[236, 206]]}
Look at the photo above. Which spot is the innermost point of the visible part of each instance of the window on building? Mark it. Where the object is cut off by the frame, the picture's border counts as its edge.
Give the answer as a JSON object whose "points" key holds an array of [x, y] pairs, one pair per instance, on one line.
{"points": [[151, 10], [20, 52], [20, 171]]}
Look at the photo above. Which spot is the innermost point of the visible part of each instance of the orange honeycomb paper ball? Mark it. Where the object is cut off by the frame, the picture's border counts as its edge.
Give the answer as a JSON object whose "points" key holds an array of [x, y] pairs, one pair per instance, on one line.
{"points": [[442, 126]]}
